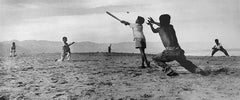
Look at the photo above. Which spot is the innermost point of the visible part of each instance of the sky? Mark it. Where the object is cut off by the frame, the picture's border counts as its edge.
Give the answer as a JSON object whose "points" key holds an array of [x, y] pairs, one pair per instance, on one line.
{"points": [[86, 20]]}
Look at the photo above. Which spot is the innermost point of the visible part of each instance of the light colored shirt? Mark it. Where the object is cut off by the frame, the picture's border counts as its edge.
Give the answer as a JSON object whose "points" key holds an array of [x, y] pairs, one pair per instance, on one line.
{"points": [[137, 30], [218, 46]]}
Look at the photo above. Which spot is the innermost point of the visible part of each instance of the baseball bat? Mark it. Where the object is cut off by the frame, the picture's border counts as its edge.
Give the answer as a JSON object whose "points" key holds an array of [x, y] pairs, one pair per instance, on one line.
{"points": [[113, 16]]}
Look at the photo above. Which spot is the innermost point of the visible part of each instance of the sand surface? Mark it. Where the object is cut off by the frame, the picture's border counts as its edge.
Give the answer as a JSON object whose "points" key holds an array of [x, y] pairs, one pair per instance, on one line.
{"points": [[101, 76]]}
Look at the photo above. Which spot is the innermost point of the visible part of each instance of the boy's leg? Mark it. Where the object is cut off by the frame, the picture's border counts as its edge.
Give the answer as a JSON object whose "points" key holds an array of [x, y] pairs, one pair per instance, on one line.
{"points": [[69, 56], [139, 45], [214, 51], [224, 51], [14, 53], [189, 65], [161, 60], [63, 55], [144, 45], [144, 57], [10, 53]]}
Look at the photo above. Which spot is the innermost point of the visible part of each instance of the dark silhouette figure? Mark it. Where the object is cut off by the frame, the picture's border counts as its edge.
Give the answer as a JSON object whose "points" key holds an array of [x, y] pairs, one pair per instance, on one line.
{"points": [[13, 50], [173, 50], [218, 47], [109, 48]]}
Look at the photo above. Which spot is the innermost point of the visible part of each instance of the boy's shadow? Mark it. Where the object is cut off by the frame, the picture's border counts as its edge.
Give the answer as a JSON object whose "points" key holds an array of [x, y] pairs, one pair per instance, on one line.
{"points": [[83, 60], [211, 72]]}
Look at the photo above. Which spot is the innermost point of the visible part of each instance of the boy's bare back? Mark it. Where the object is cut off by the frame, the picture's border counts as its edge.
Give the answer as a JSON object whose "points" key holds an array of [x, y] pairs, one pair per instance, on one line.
{"points": [[168, 36], [166, 31]]}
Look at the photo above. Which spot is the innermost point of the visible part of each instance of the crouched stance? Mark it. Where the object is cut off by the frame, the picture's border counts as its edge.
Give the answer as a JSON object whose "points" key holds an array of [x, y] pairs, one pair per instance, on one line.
{"points": [[219, 47], [171, 54], [173, 51]]}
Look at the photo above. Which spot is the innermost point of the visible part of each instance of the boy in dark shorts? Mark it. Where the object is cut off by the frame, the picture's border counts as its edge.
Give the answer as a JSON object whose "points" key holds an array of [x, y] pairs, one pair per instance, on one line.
{"points": [[218, 47], [109, 48], [13, 50], [139, 38], [65, 50], [173, 51]]}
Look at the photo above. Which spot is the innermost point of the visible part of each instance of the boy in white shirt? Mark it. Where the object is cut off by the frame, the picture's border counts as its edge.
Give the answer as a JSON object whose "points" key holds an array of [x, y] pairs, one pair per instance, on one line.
{"points": [[139, 38], [218, 47]]}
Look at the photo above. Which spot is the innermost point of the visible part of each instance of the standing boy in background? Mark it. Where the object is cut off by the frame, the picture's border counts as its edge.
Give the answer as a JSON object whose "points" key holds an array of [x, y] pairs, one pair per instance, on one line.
{"points": [[173, 51], [218, 47], [65, 50], [13, 50], [139, 38], [109, 48]]}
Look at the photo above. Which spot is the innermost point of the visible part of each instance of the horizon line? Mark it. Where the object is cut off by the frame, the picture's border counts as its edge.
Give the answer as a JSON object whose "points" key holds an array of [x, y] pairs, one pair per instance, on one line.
{"points": [[95, 41]]}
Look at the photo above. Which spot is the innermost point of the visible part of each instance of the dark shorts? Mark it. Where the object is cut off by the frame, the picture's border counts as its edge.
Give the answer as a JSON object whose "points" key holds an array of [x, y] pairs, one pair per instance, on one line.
{"points": [[178, 55], [13, 50], [140, 43], [170, 55]]}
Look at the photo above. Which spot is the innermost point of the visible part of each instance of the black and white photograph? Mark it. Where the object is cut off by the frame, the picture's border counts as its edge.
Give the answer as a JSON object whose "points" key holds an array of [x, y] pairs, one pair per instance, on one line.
{"points": [[119, 50]]}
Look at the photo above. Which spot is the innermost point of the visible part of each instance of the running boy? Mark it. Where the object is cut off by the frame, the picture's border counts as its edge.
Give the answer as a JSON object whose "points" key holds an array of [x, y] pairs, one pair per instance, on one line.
{"points": [[218, 47], [65, 50], [13, 50], [173, 51], [139, 38]]}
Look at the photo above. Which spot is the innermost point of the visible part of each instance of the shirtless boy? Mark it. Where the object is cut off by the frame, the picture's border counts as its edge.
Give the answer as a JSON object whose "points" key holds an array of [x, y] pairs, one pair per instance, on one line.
{"points": [[173, 50], [109, 48], [139, 38], [13, 50], [65, 50]]}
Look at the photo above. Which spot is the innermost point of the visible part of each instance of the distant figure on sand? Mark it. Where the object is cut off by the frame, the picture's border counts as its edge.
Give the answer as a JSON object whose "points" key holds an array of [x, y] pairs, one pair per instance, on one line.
{"points": [[173, 51], [109, 48], [139, 38], [218, 47], [13, 50], [65, 50]]}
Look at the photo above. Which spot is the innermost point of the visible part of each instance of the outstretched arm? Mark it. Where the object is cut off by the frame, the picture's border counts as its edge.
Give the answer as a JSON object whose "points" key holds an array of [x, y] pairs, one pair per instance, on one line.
{"points": [[125, 22], [152, 21], [214, 47], [71, 44], [152, 28]]}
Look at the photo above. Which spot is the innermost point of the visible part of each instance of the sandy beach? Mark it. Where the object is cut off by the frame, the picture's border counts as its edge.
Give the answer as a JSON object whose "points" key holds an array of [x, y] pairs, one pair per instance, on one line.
{"points": [[116, 76]]}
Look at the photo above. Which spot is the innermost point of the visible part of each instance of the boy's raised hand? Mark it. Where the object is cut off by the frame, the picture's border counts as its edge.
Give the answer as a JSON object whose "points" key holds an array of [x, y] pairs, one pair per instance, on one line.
{"points": [[151, 20], [149, 23]]}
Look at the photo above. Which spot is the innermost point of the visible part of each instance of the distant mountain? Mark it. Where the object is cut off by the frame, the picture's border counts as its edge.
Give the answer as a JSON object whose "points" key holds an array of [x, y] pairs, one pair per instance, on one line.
{"points": [[40, 46], [32, 46]]}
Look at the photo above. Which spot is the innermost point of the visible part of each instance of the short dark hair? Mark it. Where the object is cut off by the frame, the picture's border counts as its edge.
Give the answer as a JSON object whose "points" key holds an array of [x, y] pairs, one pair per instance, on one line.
{"points": [[64, 38], [165, 19], [216, 40], [140, 19]]}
